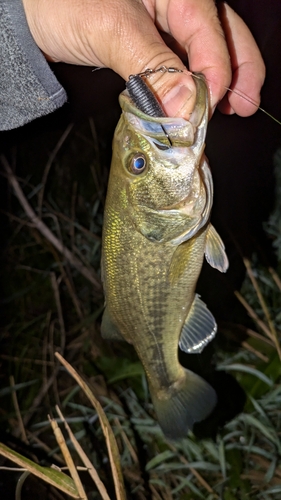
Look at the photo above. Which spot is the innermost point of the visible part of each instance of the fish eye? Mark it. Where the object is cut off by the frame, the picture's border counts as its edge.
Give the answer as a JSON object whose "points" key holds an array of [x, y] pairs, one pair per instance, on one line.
{"points": [[138, 164]]}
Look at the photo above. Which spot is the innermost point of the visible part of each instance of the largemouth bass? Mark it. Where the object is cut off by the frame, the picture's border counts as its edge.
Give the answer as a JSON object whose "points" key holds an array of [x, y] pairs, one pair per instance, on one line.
{"points": [[155, 234]]}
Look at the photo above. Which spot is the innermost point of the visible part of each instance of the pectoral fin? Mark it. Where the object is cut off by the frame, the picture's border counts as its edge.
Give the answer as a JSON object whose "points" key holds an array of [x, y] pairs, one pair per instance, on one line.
{"points": [[215, 251], [199, 328], [108, 329]]}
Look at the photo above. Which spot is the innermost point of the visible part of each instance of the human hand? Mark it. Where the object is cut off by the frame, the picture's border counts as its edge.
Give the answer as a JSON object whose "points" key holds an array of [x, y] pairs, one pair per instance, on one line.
{"points": [[122, 35]]}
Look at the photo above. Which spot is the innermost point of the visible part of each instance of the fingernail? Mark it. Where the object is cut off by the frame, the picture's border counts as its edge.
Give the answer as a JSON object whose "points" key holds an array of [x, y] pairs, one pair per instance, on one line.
{"points": [[179, 101]]}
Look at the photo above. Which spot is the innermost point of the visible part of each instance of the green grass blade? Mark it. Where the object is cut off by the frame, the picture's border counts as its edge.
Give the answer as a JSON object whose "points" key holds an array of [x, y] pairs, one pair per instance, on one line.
{"points": [[47, 474]]}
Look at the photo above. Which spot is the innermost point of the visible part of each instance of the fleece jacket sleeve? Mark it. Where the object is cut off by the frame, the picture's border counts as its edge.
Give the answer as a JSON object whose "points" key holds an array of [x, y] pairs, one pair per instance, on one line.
{"points": [[28, 87]]}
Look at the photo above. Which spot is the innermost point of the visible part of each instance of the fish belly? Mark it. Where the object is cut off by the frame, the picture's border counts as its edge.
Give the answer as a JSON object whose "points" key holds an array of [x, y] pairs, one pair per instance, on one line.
{"points": [[149, 290]]}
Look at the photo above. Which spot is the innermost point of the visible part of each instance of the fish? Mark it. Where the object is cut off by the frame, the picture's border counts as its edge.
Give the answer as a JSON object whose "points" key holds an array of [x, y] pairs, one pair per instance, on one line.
{"points": [[156, 231]]}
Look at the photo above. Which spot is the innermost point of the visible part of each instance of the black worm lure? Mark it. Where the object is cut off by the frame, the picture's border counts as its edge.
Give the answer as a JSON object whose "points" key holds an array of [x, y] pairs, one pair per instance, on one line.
{"points": [[143, 97]]}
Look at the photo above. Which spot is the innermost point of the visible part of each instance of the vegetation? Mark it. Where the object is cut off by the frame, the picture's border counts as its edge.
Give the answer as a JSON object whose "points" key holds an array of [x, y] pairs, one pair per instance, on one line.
{"points": [[54, 303]]}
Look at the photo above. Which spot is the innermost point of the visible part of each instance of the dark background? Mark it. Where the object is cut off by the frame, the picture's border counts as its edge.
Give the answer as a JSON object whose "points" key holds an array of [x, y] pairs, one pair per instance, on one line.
{"points": [[240, 151]]}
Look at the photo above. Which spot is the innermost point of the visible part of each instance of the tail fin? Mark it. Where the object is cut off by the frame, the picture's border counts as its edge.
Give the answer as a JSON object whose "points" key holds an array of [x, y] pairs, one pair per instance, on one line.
{"points": [[187, 402]]}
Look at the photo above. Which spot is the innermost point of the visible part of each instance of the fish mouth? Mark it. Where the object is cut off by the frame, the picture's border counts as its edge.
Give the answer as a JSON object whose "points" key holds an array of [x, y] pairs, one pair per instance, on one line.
{"points": [[198, 187], [204, 216]]}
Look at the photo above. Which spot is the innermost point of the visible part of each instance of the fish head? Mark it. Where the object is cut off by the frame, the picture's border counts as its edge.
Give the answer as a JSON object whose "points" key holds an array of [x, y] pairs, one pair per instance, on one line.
{"points": [[160, 161]]}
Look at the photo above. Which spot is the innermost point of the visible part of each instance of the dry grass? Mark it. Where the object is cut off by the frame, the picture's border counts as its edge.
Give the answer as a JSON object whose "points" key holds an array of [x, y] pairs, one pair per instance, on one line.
{"points": [[54, 304]]}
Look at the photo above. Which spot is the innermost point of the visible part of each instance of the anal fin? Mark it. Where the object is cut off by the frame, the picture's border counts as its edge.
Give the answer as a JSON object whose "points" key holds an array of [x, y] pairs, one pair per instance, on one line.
{"points": [[215, 250], [199, 328]]}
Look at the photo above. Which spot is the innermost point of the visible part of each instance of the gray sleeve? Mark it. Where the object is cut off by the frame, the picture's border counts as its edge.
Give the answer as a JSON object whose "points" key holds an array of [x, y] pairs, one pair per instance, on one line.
{"points": [[28, 87]]}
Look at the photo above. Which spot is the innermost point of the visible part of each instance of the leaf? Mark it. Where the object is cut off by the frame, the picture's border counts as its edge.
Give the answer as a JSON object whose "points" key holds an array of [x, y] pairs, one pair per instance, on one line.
{"points": [[261, 411], [112, 447], [228, 495], [159, 459], [272, 370], [131, 370], [222, 458], [17, 387], [119, 369], [235, 459], [68, 459], [192, 448], [51, 476], [212, 449], [247, 369], [268, 432], [90, 467], [274, 490], [187, 482], [254, 449], [206, 466], [270, 471], [88, 320]]}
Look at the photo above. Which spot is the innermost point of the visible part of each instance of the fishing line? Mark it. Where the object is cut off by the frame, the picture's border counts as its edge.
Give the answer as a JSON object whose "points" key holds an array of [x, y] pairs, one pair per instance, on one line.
{"points": [[164, 69], [247, 98], [254, 104]]}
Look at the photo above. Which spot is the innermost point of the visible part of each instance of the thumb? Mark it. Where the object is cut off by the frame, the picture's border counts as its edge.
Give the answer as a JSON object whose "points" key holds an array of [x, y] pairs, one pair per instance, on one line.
{"points": [[140, 48], [117, 34]]}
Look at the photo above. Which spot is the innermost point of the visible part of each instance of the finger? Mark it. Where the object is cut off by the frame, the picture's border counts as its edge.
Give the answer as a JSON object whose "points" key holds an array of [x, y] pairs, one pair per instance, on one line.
{"points": [[118, 34], [139, 46], [247, 65], [195, 25]]}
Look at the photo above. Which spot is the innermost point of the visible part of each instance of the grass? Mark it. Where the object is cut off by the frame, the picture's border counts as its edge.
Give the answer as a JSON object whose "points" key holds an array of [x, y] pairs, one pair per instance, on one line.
{"points": [[50, 306]]}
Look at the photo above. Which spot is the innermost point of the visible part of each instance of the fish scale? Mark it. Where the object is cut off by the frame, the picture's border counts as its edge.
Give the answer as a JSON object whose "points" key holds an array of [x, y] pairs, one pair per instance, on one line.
{"points": [[155, 234]]}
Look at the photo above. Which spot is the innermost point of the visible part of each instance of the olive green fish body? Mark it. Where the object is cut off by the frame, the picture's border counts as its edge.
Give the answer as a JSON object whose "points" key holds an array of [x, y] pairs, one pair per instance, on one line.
{"points": [[156, 232]]}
